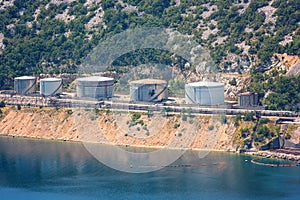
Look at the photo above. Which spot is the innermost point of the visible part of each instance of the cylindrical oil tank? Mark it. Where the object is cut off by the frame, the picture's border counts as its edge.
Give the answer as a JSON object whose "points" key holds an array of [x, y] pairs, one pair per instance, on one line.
{"points": [[96, 87], [25, 84], [148, 90], [50, 86], [204, 93]]}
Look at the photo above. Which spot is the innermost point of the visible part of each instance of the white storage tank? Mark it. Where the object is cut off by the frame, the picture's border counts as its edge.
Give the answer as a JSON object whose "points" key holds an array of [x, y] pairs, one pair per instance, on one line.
{"points": [[25, 85], [204, 93], [148, 90], [96, 87], [50, 86]]}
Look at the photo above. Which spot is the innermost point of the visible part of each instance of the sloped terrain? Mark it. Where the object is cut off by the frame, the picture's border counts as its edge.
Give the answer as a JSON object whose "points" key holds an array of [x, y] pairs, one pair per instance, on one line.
{"points": [[54, 36]]}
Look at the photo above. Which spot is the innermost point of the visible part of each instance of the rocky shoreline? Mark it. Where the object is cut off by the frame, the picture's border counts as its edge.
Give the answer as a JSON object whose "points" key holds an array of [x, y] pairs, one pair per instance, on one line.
{"points": [[276, 155], [264, 154], [107, 128]]}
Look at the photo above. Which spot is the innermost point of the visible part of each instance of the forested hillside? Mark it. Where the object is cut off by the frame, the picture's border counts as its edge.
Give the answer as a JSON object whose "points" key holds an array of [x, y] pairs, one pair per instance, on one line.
{"points": [[54, 36]]}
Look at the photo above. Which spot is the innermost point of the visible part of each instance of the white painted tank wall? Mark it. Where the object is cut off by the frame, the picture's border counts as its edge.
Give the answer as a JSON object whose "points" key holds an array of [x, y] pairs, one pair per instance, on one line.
{"points": [[50, 86], [204, 93], [24, 84], [95, 87]]}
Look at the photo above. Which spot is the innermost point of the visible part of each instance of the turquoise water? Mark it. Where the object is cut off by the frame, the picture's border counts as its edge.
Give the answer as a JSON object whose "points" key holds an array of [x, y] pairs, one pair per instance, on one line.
{"points": [[33, 169]]}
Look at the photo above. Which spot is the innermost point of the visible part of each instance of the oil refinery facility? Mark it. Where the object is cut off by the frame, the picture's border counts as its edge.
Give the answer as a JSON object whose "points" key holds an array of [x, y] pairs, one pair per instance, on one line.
{"points": [[143, 94], [149, 90], [24, 85], [205, 93], [103, 88], [50, 86], [143, 90], [96, 87]]}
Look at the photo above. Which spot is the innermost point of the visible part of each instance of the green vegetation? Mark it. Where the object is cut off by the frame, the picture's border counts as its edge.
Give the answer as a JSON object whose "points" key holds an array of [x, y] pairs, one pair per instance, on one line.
{"points": [[237, 119], [263, 133], [249, 116], [176, 126], [191, 121], [135, 120], [41, 42], [287, 136], [233, 82], [2, 104], [176, 87], [223, 119], [211, 127], [263, 121], [255, 132], [284, 90], [245, 132], [135, 116]]}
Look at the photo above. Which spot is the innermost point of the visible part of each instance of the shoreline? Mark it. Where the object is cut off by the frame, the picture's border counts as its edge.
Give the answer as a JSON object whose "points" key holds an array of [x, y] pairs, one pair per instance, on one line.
{"points": [[117, 145], [262, 154], [275, 155], [61, 125]]}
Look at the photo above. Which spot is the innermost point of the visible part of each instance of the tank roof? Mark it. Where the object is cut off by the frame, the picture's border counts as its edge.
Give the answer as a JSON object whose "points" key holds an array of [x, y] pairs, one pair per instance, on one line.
{"points": [[95, 79], [247, 93], [51, 79], [148, 81], [24, 78], [205, 83]]}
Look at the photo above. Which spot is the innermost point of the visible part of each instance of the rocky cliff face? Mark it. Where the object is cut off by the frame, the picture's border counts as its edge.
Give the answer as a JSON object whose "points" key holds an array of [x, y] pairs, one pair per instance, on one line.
{"points": [[105, 127]]}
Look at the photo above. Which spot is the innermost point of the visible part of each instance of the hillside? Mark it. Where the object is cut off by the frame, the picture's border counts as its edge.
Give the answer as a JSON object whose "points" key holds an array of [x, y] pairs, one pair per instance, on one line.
{"points": [[139, 129], [111, 128], [54, 36]]}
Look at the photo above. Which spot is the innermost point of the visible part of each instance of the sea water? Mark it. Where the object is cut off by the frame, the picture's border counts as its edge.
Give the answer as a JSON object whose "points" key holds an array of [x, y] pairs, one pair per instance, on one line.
{"points": [[37, 169]]}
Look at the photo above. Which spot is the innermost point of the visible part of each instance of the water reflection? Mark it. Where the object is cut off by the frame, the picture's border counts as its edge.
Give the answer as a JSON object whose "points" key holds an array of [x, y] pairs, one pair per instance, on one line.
{"points": [[68, 168]]}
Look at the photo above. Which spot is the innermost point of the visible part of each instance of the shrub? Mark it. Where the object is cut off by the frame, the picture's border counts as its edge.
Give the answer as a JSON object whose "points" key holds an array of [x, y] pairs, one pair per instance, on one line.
{"points": [[263, 121], [145, 127], [233, 82], [135, 116], [237, 118], [223, 119], [211, 127], [245, 132], [141, 122], [2, 104], [287, 136], [176, 125], [249, 116]]}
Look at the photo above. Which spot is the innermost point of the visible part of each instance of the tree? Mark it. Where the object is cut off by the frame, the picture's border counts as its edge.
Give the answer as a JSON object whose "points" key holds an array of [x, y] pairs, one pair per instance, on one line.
{"points": [[233, 82], [2, 104], [249, 116]]}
